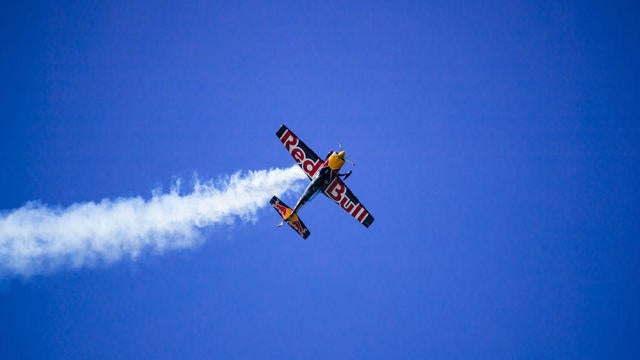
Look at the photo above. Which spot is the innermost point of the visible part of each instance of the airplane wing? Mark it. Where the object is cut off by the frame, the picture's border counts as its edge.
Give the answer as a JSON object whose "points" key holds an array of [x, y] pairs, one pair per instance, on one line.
{"points": [[340, 193], [305, 157]]}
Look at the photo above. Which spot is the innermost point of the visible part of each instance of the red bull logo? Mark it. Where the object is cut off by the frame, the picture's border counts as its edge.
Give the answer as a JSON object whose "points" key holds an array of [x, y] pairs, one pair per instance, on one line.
{"points": [[297, 226], [291, 142], [280, 208], [337, 190]]}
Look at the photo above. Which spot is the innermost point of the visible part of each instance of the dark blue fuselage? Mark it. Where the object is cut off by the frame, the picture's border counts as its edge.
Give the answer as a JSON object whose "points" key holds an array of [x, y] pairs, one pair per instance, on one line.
{"points": [[318, 183]]}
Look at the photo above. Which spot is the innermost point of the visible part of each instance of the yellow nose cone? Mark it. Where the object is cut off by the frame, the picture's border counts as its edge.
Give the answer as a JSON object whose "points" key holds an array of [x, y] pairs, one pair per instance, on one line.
{"points": [[336, 160]]}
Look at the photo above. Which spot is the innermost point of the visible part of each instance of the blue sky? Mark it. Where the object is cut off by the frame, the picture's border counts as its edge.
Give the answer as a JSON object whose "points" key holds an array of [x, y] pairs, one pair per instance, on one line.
{"points": [[496, 144]]}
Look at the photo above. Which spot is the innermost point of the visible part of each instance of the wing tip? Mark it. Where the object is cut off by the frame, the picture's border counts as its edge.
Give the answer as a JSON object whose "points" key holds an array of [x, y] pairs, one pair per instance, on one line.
{"points": [[368, 221], [281, 131]]}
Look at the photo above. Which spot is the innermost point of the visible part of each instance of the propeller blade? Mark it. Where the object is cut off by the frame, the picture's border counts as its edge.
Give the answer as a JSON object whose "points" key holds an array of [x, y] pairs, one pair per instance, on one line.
{"points": [[349, 160]]}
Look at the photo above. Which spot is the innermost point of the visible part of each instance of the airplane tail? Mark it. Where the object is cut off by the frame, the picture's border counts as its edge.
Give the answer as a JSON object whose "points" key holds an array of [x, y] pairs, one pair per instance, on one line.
{"points": [[291, 218]]}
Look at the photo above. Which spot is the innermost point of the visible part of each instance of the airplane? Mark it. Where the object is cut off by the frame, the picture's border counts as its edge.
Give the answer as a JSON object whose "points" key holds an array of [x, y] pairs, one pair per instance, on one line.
{"points": [[325, 179]]}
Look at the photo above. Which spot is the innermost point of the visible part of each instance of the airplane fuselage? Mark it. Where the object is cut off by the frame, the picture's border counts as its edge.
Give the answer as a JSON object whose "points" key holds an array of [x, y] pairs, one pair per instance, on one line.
{"points": [[322, 178]]}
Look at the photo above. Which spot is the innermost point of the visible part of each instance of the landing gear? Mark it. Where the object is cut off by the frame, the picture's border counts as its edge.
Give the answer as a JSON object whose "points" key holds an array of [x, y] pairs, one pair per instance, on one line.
{"points": [[345, 175]]}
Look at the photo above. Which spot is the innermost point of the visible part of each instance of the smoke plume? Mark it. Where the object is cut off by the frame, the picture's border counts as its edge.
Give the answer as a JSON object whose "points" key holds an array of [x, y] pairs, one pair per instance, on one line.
{"points": [[37, 239]]}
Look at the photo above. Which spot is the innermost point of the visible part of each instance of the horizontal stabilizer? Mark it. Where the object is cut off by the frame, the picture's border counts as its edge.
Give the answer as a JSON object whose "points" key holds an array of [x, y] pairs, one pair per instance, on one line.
{"points": [[293, 220]]}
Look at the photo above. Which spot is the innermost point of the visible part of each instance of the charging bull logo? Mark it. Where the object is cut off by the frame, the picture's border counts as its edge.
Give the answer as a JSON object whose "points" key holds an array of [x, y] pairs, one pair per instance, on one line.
{"points": [[299, 150], [280, 208], [297, 226]]}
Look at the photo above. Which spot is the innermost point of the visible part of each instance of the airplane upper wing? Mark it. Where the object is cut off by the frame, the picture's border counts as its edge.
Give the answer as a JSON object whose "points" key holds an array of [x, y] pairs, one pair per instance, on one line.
{"points": [[340, 193], [305, 157]]}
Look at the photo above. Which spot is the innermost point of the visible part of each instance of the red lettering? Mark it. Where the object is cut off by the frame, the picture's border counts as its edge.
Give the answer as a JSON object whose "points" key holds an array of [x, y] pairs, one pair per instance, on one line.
{"points": [[363, 215], [298, 154], [346, 204], [356, 210], [335, 190], [289, 140], [310, 167]]}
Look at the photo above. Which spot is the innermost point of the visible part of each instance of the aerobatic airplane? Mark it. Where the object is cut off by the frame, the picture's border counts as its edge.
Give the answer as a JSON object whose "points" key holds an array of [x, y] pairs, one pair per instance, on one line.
{"points": [[324, 177]]}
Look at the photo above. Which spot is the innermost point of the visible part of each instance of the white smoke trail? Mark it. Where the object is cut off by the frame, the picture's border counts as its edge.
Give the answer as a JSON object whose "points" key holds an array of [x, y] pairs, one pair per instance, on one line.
{"points": [[36, 239]]}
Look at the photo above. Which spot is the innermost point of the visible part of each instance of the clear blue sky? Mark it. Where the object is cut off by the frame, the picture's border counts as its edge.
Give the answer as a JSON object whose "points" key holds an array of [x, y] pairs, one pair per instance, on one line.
{"points": [[497, 145]]}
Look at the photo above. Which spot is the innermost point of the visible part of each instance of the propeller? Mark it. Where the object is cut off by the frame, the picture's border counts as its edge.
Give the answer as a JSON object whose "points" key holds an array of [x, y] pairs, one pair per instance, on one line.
{"points": [[346, 158]]}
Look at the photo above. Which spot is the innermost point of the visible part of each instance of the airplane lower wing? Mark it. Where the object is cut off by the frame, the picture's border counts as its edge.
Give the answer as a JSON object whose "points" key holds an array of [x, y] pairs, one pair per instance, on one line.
{"points": [[340, 193], [301, 153]]}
